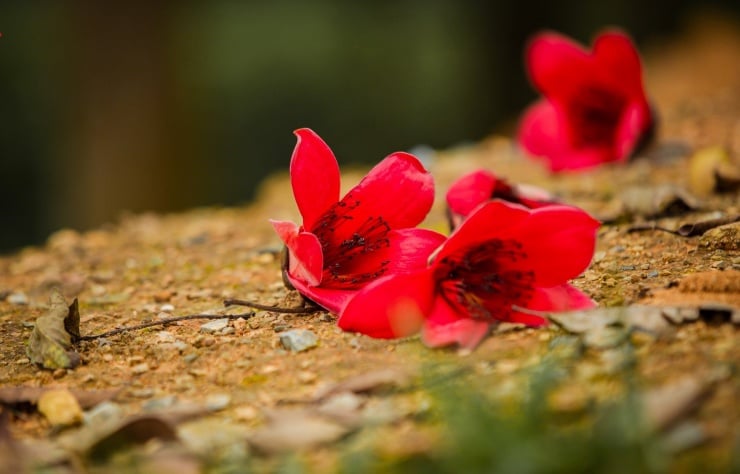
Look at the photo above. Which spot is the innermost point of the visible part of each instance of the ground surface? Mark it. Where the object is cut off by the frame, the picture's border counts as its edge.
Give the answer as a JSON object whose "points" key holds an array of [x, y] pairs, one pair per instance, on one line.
{"points": [[153, 266]]}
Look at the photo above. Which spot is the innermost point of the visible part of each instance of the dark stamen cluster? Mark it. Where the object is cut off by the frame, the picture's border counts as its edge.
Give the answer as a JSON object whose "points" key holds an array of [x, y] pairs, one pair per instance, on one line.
{"points": [[345, 240], [485, 281], [595, 114]]}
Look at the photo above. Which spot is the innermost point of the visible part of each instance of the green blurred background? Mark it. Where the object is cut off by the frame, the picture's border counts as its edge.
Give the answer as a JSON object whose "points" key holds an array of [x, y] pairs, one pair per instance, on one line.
{"points": [[165, 105]]}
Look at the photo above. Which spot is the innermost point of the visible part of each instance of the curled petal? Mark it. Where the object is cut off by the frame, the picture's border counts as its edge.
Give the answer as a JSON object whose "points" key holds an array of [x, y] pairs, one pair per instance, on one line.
{"points": [[635, 123], [393, 306], [305, 257], [314, 175], [444, 326], [563, 297]]}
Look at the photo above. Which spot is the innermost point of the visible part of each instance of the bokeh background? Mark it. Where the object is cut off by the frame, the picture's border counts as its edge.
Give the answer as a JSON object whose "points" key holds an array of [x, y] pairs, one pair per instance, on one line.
{"points": [[108, 107]]}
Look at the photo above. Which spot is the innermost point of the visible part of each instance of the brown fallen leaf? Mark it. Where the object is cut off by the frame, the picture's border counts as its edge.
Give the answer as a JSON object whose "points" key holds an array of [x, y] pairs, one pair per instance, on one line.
{"points": [[690, 229], [657, 201], [50, 343], [12, 455], [294, 430], [666, 405], [366, 382], [712, 170]]}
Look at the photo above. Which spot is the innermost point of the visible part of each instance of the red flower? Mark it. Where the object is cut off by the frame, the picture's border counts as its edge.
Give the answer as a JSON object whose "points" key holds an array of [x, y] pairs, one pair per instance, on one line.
{"points": [[480, 186], [345, 244], [594, 108], [503, 260]]}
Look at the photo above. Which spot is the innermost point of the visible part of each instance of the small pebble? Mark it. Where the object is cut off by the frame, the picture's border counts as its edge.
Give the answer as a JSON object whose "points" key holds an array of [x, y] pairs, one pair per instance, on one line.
{"points": [[139, 369], [305, 376], [298, 340], [103, 413], [653, 273], [227, 330], [143, 393], [60, 407], [190, 357], [167, 308], [214, 326], [159, 403], [218, 401], [625, 268], [18, 298]]}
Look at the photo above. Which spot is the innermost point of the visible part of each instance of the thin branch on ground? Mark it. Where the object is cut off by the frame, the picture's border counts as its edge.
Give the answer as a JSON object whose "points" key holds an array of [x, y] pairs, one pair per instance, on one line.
{"points": [[276, 309], [163, 322], [687, 230]]}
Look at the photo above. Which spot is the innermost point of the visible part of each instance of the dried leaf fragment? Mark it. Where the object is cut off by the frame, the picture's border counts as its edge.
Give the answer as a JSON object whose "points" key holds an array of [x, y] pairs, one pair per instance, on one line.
{"points": [[60, 407], [50, 343], [711, 170]]}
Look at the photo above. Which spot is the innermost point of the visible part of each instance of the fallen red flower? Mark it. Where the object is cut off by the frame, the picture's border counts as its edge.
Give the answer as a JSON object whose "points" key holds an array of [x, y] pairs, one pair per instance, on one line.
{"points": [[475, 188], [342, 245], [594, 108], [501, 262]]}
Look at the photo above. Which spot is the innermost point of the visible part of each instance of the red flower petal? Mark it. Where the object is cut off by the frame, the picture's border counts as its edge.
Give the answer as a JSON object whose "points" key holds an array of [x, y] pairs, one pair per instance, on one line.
{"points": [[305, 261], [468, 192], [559, 243], [332, 299], [563, 297], [444, 326], [635, 122], [557, 65], [398, 189], [490, 220], [314, 174], [410, 249], [618, 58], [390, 307], [542, 131]]}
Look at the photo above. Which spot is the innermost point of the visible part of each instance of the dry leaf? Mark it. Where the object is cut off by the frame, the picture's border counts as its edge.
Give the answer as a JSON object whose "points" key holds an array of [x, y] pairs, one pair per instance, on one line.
{"points": [[711, 170], [291, 430], [50, 344], [366, 382], [657, 201], [60, 407]]}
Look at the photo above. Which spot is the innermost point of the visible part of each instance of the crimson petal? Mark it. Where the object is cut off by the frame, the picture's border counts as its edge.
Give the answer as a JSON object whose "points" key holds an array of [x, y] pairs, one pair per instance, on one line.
{"points": [[306, 260], [314, 175], [558, 242], [390, 307], [398, 189], [444, 326], [469, 191]]}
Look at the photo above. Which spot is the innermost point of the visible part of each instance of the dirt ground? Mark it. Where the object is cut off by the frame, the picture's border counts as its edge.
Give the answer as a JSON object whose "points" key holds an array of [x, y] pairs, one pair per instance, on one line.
{"points": [[154, 266]]}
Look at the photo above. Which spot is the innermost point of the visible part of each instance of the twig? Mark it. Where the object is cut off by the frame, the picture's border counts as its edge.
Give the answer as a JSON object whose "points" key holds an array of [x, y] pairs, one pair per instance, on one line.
{"points": [[688, 230], [162, 322], [277, 309]]}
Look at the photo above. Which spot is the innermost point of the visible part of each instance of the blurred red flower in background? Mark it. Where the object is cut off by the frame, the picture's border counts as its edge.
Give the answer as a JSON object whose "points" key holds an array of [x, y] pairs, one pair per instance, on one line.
{"points": [[594, 108]]}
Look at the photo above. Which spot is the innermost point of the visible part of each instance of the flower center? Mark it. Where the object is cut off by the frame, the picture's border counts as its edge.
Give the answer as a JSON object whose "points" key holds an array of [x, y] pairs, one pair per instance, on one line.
{"points": [[595, 115], [353, 246], [485, 281]]}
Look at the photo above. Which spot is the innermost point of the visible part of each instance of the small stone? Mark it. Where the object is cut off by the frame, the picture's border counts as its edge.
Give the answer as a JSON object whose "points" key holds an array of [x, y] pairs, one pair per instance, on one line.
{"points": [[626, 268], [143, 393], [280, 327], [298, 340], [305, 376], [165, 336], [103, 413], [139, 369], [22, 361], [227, 330], [160, 403], [17, 298], [190, 357], [218, 401], [60, 407], [645, 266], [246, 413], [167, 308], [163, 296], [59, 373], [214, 326], [653, 273], [162, 315]]}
